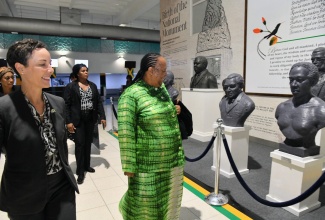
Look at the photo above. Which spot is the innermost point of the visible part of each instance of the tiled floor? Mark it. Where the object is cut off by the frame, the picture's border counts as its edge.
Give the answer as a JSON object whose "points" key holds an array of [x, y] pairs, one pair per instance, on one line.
{"points": [[100, 193]]}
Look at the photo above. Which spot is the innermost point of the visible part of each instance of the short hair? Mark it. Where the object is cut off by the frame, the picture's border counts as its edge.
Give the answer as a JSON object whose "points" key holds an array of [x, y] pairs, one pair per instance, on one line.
{"points": [[20, 52], [319, 50], [76, 68], [203, 60], [238, 79], [313, 74]]}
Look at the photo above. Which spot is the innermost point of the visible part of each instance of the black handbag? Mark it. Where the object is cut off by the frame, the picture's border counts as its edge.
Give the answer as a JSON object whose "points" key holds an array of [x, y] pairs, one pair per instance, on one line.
{"points": [[185, 120]]}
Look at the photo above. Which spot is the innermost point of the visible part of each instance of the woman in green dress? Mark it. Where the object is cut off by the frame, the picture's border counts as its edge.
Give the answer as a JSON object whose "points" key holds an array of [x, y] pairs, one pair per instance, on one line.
{"points": [[151, 149]]}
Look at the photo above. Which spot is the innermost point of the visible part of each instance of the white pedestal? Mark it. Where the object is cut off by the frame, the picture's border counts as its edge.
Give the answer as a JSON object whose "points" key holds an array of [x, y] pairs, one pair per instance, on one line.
{"points": [[238, 140], [291, 176], [320, 141], [204, 106]]}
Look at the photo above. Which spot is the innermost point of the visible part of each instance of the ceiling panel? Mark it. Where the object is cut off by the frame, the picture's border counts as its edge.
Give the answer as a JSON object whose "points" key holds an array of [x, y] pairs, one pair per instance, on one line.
{"points": [[133, 13]]}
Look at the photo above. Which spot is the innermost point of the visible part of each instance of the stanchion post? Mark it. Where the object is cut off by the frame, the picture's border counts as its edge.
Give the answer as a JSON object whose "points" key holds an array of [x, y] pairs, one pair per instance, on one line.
{"points": [[216, 198]]}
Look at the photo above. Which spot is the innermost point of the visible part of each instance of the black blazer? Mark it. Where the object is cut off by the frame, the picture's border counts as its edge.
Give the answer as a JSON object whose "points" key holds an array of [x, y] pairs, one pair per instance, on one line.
{"points": [[24, 179], [73, 103]]}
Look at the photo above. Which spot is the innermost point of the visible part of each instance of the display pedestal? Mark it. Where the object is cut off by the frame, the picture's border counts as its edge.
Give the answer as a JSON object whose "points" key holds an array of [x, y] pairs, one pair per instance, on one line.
{"points": [[320, 141], [204, 106], [238, 140], [291, 176]]}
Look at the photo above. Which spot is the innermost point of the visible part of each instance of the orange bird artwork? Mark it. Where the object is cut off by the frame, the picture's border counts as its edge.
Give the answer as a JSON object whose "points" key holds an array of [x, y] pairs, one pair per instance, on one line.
{"points": [[271, 34]]}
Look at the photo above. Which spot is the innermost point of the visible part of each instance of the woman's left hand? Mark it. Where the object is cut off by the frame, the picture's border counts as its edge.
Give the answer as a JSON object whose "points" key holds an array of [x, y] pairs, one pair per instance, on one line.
{"points": [[178, 109]]}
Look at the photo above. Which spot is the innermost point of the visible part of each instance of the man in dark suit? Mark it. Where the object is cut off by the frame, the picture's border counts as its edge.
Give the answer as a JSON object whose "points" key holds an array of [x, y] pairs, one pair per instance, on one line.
{"points": [[203, 79], [318, 59], [235, 106]]}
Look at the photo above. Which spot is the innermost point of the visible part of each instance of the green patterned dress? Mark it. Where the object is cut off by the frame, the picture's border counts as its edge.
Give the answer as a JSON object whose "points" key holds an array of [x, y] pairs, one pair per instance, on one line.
{"points": [[150, 147]]}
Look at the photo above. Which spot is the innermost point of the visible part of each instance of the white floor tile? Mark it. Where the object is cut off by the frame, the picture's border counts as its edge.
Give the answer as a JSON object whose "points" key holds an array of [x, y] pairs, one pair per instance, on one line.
{"points": [[108, 182], [89, 201], [113, 195], [188, 196], [113, 208], [99, 213]]}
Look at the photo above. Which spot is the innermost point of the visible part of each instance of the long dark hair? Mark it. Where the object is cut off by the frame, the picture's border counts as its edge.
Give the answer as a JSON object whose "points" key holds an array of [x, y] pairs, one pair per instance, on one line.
{"points": [[149, 60]]}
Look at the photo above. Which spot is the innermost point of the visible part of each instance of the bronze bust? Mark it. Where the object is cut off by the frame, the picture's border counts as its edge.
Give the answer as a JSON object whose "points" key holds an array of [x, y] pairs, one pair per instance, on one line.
{"points": [[235, 106], [318, 59], [300, 117], [202, 78], [169, 82]]}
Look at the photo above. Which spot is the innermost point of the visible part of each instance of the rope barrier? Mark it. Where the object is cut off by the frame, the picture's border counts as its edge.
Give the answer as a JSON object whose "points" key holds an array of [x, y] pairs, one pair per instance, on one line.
{"points": [[293, 201], [204, 152]]}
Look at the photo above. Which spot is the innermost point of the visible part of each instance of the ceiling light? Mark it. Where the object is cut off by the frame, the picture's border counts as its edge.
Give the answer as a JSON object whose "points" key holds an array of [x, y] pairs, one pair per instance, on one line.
{"points": [[122, 25]]}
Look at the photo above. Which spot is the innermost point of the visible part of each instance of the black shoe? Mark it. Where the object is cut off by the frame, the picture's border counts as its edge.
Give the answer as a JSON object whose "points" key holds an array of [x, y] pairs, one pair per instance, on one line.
{"points": [[81, 179], [91, 170]]}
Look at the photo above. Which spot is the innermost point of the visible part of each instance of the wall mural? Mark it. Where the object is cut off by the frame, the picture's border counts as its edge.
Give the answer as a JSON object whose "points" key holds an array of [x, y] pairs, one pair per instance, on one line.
{"points": [[215, 33]]}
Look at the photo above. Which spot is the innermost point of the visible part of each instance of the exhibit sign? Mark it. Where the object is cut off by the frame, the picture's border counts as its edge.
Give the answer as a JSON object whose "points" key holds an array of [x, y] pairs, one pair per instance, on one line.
{"points": [[279, 34]]}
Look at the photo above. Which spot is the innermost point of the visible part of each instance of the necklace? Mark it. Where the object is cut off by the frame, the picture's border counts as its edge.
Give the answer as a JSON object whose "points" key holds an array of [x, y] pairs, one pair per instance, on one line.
{"points": [[41, 115]]}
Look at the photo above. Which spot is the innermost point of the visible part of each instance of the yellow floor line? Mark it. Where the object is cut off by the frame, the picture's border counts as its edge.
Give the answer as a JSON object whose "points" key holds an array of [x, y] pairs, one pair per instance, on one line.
{"points": [[227, 206]]}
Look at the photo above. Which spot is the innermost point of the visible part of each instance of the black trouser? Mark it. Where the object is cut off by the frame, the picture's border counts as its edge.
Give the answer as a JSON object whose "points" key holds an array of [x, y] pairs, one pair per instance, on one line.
{"points": [[61, 201], [83, 138]]}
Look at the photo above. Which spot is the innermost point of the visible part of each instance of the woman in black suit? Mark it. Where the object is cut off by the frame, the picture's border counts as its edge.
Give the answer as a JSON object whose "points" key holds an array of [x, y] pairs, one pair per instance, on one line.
{"points": [[83, 105], [37, 181]]}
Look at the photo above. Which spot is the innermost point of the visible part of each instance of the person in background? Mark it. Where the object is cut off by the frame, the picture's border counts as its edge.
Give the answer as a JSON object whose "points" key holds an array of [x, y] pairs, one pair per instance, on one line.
{"points": [[83, 105], [37, 181], [7, 79], [128, 81], [151, 149]]}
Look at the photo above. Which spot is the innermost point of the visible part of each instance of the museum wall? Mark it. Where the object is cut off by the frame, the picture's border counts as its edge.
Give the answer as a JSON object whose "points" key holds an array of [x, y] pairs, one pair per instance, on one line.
{"points": [[223, 39]]}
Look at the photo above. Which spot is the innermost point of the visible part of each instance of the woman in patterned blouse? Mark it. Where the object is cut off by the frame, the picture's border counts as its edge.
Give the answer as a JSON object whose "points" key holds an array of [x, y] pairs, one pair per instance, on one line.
{"points": [[83, 105], [37, 181], [150, 145]]}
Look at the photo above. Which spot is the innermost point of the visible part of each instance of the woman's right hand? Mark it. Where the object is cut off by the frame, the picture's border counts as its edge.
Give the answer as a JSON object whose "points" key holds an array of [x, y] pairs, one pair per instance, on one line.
{"points": [[71, 128], [128, 174]]}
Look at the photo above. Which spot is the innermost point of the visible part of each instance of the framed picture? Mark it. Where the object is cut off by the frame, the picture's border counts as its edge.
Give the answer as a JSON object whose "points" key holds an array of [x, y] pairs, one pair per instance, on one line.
{"points": [[279, 34]]}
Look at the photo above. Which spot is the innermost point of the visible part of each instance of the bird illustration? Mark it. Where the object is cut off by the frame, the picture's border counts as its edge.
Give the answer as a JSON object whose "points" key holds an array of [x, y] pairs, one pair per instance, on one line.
{"points": [[272, 35]]}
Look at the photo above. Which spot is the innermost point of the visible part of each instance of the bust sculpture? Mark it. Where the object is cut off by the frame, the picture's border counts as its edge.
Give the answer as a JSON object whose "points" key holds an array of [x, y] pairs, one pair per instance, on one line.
{"points": [[318, 59], [202, 77], [169, 82], [300, 117], [235, 106]]}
